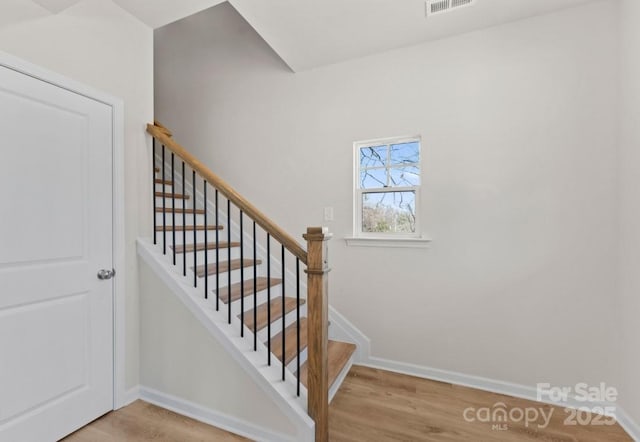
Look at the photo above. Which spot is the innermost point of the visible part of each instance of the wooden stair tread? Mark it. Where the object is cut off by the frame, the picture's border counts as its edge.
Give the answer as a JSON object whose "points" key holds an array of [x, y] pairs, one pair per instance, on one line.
{"points": [[187, 228], [157, 169], [172, 195], [180, 211], [261, 284], [339, 354], [201, 246], [166, 182], [276, 312], [225, 266], [290, 341]]}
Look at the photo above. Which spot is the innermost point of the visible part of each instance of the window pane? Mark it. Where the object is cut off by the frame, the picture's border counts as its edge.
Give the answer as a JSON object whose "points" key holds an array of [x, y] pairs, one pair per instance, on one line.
{"points": [[389, 212], [373, 178], [374, 156], [405, 153], [406, 176]]}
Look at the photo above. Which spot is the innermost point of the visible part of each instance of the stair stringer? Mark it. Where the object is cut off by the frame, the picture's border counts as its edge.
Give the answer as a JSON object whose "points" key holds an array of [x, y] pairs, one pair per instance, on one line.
{"points": [[268, 378], [340, 328]]}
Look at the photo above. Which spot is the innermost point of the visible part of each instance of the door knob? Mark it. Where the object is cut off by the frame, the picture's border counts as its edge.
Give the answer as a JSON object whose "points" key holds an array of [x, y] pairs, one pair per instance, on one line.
{"points": [[106, 274]]}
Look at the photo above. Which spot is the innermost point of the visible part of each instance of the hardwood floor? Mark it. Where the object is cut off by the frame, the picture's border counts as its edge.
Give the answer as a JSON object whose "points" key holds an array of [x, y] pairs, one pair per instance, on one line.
{"points": [[142, 421], [375, 405], [371, 406]]}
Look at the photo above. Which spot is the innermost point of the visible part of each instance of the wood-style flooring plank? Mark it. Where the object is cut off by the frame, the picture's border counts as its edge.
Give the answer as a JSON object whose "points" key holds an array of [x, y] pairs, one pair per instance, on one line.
{"points": [[376, 405], [371, 406], [143, 422]]}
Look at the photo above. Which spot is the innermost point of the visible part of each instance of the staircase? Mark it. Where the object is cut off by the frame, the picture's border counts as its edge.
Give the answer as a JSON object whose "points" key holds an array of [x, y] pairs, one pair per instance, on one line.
{"points": [[246, 273]]}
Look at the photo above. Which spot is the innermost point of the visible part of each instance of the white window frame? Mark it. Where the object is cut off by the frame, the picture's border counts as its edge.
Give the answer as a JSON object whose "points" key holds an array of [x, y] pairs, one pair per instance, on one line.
{"points": [[358, 192]]}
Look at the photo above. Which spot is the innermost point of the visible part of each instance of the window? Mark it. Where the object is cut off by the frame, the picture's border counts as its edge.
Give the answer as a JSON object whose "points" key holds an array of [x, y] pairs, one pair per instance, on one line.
{"points": [[387, 188]]}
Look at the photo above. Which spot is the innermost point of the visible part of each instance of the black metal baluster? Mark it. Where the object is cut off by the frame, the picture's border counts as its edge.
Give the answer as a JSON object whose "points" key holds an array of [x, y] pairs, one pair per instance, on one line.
{"points": [[269, 299], [164, 210], [184, 226], [217, 256], [206, 243], [173, 206], [195, 237], [298, 322], [241, 277], [255, 291], [229, 258], [284, 312], [153, 193]]}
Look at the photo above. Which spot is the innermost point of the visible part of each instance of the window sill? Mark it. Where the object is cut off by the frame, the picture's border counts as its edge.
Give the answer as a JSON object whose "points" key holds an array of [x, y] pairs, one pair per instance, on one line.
{"points": [[360, 241]]}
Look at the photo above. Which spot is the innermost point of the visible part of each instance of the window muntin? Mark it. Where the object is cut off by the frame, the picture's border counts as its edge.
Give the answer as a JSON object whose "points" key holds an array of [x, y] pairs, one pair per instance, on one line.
{"points": [[387, 187]]}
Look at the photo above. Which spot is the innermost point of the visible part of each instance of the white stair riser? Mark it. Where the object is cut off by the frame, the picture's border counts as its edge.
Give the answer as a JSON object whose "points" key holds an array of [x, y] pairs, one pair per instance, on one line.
{"points": [[293, 365], [261, 297], [188, 236], [166, 187], [223, 276], [276, 326], [188, 219], [211, 255], [168, 201], [188, 203], [235, 274]]}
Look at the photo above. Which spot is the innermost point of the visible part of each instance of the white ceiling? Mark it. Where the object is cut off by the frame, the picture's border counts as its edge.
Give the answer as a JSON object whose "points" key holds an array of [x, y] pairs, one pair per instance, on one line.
{"points": [[311, 33], [155, 13], [56, 6], [16, 11]]}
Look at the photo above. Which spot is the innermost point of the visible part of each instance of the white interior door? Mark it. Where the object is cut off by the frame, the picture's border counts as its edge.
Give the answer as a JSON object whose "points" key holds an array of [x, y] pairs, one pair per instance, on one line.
{"points": [[56, 323]]}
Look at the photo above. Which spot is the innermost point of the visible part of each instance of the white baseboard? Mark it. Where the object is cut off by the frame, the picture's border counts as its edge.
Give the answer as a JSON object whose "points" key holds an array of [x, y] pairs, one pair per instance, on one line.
{"points": [[495, 386], [215, 418], [131, 395], [451, 377], [629, 425]]}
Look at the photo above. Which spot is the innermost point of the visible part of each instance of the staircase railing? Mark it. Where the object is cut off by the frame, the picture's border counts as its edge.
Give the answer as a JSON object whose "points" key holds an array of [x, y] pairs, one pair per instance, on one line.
{"points": [[315, 258]]}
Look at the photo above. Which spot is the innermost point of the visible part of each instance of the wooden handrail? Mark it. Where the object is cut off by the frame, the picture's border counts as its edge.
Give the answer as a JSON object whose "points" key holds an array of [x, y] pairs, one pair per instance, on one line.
{"points": [[163, 128], [162, 134]]}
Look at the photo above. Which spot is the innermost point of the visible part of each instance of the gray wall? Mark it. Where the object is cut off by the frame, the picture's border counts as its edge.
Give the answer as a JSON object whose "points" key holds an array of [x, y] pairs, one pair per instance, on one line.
{"points": [[180, 358], [629, 306], [519, 197]]}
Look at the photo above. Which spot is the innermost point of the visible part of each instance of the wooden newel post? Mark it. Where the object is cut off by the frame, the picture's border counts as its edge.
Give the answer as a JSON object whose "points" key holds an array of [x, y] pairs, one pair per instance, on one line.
{"points": [[318, 329]]}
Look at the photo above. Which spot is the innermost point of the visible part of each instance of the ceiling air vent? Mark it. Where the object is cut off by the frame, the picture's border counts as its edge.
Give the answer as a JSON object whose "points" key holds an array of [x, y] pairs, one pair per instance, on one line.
{"points": [[435, 7]]}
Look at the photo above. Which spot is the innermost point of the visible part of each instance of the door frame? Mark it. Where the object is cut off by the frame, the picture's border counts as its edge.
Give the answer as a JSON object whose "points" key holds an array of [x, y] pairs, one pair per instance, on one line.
{"points": [[120, 397]]}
